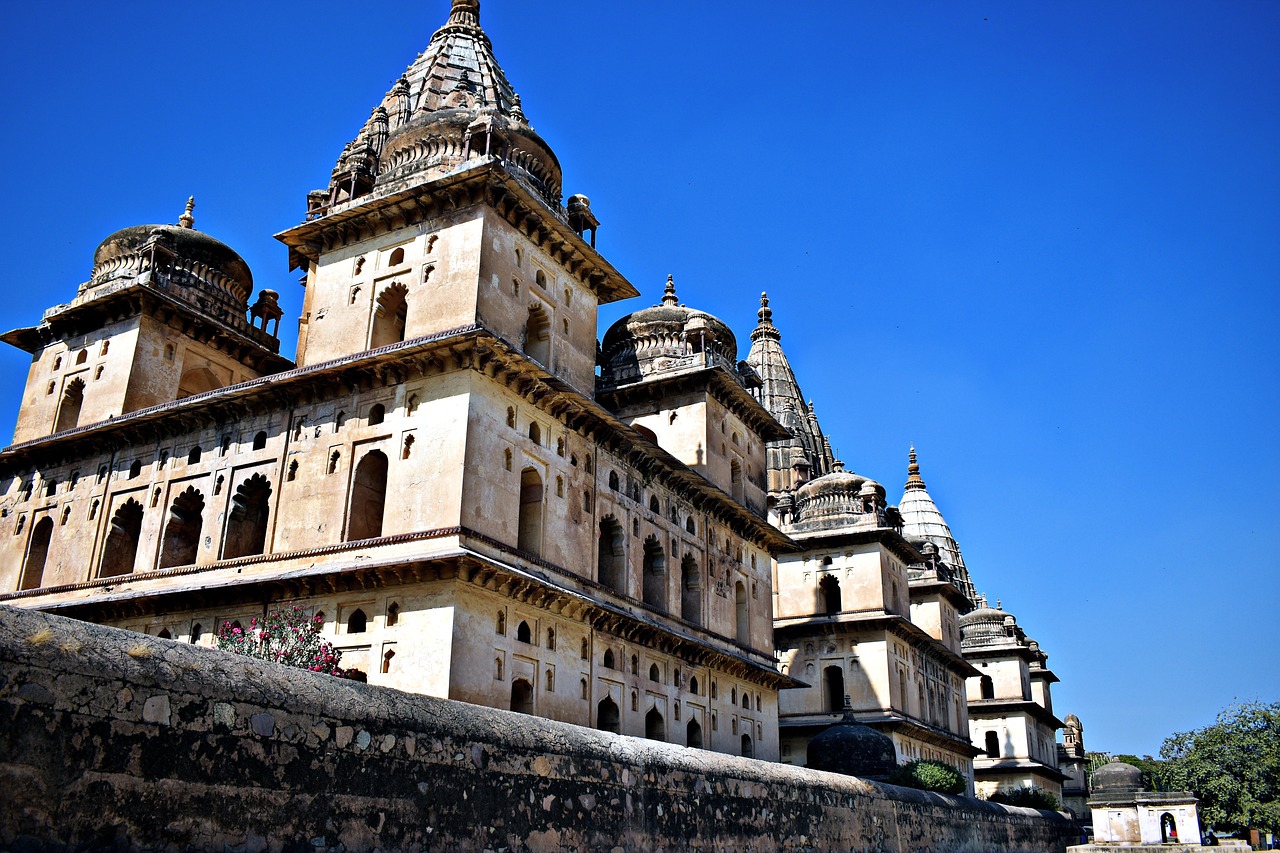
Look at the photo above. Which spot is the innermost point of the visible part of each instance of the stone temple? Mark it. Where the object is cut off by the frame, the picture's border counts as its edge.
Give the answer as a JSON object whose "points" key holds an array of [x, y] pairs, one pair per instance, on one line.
{"points": [[648, 535]]}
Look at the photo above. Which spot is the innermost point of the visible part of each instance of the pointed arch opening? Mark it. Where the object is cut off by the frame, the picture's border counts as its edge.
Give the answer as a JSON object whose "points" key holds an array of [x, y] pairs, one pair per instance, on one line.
{"points": [[736, 484], [748, 748], [368, 497], [655, 727], [37, 554], [992, 744], [69, 408], [690, 590], [247, 524], [742, 627], [693, 734], [608, 716], [655, 574], [987, 687], [529, 527], [197, 380], [182, 531], [390, 317], [121, 548], [610, 561], [829, 598], [522, 696], [537, 335]]}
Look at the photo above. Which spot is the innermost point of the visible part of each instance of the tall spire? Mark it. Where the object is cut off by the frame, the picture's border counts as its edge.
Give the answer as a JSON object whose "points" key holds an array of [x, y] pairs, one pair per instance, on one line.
{"points": [[922, 521]]}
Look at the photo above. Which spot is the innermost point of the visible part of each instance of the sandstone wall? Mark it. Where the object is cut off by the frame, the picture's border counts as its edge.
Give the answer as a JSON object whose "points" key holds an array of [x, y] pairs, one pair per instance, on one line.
{"points": [[116, 741]]}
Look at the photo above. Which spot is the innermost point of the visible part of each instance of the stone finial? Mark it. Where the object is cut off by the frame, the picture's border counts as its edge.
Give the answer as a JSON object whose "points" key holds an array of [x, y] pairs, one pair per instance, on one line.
{"points": [[465, 12], [517, 112], [669, 292], [913, 471], [765, 328], [186, 220]]}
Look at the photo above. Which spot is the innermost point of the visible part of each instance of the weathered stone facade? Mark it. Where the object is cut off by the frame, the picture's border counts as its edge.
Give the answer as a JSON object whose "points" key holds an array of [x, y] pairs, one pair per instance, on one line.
{"points": [[113, 741]]}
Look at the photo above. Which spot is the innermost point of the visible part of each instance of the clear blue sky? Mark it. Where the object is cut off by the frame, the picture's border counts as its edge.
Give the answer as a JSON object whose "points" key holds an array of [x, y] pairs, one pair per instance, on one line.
{"points": [[1038, 240]]}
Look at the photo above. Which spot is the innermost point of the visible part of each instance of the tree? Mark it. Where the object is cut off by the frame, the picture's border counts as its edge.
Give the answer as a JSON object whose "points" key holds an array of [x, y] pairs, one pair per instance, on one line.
{"points": [[286, 636], [928, 775], [1232, 766], [1028, 796]]}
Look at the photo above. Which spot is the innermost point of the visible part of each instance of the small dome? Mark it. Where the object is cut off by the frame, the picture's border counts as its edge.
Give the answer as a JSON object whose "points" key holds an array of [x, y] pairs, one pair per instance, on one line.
{"points": [[661, 337], [1116, 778], [1073, 721], [851, 748], [189, 258]]}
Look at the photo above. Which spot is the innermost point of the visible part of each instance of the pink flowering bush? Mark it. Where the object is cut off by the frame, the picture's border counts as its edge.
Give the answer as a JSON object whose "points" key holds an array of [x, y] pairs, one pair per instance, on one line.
{"points": [[287, 636]]}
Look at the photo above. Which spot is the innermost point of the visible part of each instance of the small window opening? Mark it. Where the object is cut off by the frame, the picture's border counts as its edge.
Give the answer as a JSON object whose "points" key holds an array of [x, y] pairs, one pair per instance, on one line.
{"points": [[260, 441], [377, 414], [523, 633], [357, 622]]}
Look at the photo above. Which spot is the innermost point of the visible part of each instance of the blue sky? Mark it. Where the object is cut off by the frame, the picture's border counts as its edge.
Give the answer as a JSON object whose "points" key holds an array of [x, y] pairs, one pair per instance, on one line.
{"points": [[1038, 240]]}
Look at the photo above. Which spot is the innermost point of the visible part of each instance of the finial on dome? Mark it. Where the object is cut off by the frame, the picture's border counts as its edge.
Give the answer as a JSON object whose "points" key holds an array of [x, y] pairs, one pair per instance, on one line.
{"points": [[464, 7], [669, 292], [837, 466], [765, 328], [186, 220], [998, 607], [517, 112], [913, 471]]}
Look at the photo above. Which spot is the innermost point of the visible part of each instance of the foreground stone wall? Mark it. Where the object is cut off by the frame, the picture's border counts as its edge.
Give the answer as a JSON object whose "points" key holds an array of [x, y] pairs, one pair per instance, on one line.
{"points": [[111, 740]]}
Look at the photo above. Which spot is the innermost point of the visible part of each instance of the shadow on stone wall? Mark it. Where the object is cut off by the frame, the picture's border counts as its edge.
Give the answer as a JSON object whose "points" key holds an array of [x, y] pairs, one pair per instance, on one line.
{"points": [[111, 740]]}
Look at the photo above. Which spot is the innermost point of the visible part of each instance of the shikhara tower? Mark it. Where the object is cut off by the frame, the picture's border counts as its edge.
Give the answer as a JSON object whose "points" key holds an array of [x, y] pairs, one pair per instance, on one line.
{"points": [[439, 475]]}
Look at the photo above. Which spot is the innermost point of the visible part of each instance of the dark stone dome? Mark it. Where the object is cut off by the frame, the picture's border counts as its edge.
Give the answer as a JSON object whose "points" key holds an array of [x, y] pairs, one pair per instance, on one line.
{"points": [[851, 748], [839, 498], [1116, 778], [186, 256]]}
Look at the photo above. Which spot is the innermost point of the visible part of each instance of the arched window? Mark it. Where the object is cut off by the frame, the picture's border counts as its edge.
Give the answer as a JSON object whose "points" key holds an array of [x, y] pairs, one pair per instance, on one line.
{"points": [[993, 745], [393, 615], [653, 504], [135, 469], [608, 662], [613, 480], [368, 497], [82, 356], [693, 735], [655, 728], [377, 414], [37, 553], [121, 548], [72, 401], [390, 316], [611, 567], [523, 634], [182, 532], [693, 686], [397, 257], [655, 574], [535, 433], [690, 590], [194, 456], [529, 527], [736, 483], [260, 441], [748, 750], [988, 687], [247, 524], [551, 638], [387, 657], [537, 335], [829, 600], [655, 674], [833, 689], [635, 664], [608, 716], [742, 627], [522, 696], [500, 626], [357, 621], [197, 632], [690, 526]]}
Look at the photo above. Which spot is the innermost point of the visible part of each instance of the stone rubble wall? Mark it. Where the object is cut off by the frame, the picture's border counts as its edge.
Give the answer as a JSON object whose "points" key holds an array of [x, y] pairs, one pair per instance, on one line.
{"points": [[111, 740]]}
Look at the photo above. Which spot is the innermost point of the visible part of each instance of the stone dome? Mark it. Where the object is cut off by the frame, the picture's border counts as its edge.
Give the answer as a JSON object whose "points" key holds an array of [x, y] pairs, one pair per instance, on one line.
{"points": [[453, 104], [181, 256], [662, 337], [839, 498], [1117, 777], [985, 624], [854, 749]]}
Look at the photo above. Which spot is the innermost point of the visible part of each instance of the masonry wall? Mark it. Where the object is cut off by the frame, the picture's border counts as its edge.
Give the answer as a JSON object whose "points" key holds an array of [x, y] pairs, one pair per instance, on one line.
{"points": [[115, 741]]}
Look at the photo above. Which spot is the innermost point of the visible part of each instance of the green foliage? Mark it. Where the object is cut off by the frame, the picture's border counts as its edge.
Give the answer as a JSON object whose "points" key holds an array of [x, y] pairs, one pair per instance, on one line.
{"points": [[1152, 771], [1030, 796], [286, 636], [929, 776], [1233, 766]]}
